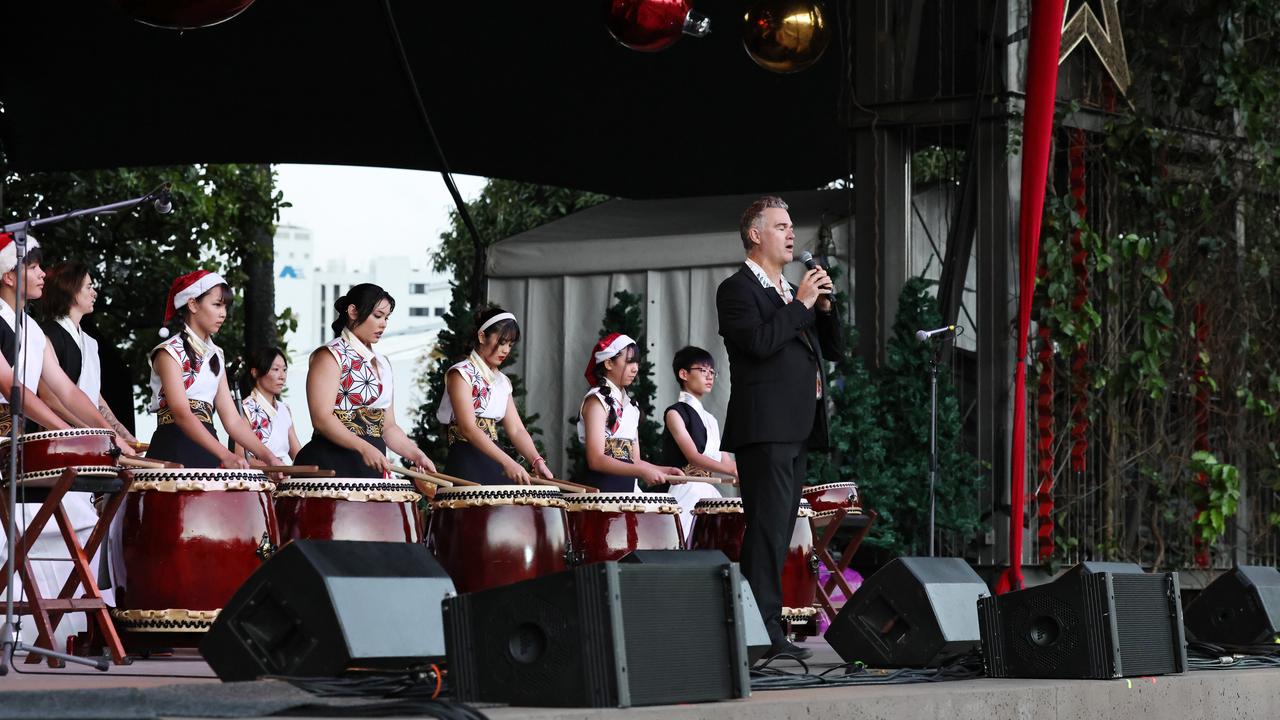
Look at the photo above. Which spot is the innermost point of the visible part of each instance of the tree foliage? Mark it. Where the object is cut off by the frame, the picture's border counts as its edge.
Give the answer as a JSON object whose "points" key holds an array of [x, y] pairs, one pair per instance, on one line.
{"points": [[504, 208], [135, 255]]}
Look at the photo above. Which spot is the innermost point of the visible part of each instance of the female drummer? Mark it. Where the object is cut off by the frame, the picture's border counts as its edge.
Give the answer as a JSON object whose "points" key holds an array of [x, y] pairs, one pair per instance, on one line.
{"points": [[349, 393], [262, 382], [69, 295], [51, 399], [477, 396], [189, 380], [609, 420]]}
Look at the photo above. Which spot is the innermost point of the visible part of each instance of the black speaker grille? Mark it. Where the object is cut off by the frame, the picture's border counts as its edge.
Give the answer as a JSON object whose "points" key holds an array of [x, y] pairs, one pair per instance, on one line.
{"points": [[1145, 624], [693, 641], [1103, 661], [598, 604]]}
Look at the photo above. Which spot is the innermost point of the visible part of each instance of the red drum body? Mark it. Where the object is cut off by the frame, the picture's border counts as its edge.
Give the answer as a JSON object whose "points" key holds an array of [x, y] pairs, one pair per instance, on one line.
{"points": [[498, 534], [91, 452], [606, 526], [182, 544], [800, 573], [833, 496], [718, 524], [348, 509]]}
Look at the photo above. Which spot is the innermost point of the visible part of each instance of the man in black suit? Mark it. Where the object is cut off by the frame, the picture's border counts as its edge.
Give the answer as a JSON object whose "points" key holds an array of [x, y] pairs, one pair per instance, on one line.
{"points": [[776, 338]]}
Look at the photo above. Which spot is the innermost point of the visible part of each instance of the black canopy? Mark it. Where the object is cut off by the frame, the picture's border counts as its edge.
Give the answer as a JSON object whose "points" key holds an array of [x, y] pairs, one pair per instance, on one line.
{"points": [[533, 91]]}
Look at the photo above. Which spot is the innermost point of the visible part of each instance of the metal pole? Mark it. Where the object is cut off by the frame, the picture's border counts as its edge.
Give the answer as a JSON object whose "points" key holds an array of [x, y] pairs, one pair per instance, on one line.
{"points": [[933, 446]]}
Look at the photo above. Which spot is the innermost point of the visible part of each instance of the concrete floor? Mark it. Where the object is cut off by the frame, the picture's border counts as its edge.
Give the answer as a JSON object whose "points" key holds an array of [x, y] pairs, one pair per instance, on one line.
{"points": [[1226, 695]]}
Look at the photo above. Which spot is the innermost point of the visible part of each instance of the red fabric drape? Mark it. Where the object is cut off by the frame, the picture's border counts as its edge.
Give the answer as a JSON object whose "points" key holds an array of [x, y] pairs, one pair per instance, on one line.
{"points": [[1037, 135]]}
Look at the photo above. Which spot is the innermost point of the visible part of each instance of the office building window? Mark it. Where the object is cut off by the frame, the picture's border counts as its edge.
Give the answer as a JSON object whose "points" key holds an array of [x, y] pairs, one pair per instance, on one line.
{"points": [[417, 288], [439, 311], [419, 312]]}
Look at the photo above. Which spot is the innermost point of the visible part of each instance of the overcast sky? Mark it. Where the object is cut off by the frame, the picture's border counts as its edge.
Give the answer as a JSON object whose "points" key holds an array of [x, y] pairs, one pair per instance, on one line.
{"points": [[376, 210]]}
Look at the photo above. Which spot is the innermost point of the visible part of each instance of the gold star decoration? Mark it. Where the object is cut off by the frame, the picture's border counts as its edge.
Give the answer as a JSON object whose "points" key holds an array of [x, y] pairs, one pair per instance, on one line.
{"points": [[1105, 36]]}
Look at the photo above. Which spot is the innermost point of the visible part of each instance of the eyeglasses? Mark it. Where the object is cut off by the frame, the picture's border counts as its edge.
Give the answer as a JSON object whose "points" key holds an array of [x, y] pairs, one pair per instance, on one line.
{"points": [[706, 371]]}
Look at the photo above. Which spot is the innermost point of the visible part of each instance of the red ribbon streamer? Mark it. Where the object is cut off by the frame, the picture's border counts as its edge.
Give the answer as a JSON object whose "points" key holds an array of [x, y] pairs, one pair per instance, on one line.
{"points": [[1037, 136]]}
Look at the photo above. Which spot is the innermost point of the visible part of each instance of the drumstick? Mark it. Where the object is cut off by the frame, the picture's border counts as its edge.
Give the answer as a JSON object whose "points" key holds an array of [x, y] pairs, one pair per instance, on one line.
{"points": [[288, 469], [714, 479], [140, 446], [137, 462], [431, 477], [313, 474], [564, 485]]}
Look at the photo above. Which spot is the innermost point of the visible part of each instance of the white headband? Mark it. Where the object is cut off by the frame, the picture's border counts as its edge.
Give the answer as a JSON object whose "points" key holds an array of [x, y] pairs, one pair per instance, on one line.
{"points": [[614, 348], [497, 319]]}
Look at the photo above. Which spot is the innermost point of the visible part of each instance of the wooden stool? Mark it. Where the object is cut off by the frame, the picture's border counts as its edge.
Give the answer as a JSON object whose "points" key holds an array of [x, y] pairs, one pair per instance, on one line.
{"points": [[48, 611], [825, 526]]}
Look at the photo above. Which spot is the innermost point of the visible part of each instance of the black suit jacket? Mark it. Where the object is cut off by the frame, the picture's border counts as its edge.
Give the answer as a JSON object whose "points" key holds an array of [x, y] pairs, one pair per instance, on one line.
{"points": [[773, 358]]}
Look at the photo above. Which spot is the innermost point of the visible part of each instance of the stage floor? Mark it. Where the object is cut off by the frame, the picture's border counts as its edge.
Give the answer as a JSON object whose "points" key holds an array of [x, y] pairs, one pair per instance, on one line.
{"points": [[1226, 694]]}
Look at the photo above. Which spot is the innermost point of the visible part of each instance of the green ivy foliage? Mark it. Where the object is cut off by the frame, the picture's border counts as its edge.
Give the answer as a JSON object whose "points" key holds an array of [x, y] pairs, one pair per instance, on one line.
{"points": [[1183, 231]]}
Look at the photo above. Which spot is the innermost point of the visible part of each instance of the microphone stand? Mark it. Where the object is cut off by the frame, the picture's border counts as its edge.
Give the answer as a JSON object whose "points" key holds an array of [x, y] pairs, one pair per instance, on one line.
{"points": [[9, 643], [934, 361]]}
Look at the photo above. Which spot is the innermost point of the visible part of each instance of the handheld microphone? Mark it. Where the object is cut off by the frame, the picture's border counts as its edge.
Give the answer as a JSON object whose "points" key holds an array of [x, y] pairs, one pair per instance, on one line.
{"points": [[164, 201], [811, 263], [923, 335]]}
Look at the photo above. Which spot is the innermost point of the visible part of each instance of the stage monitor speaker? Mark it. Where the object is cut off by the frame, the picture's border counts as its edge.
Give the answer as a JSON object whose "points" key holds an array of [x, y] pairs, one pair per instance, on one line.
{"points": [[757, 636], [915, 612], [318, 608], [606, 634], [676, 557], [1239, 608], [1086, 624]]}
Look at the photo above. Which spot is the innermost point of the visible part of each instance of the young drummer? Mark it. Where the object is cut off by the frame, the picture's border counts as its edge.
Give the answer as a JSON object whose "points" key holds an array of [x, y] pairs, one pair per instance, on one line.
{"points": [[69, 295], [189, 380], [262, 382], [691, 436], [349, 393], [609, 421], [477, 396]]}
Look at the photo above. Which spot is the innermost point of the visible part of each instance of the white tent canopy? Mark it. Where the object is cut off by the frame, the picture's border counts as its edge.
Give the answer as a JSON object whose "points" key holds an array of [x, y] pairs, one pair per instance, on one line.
{"points": [[559, 279]]}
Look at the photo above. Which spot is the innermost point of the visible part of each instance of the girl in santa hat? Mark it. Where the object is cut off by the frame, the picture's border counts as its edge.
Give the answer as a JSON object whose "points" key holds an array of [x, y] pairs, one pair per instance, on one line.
{"points": [[477, 396], [609, 421], [349, 393], [189, 381]]}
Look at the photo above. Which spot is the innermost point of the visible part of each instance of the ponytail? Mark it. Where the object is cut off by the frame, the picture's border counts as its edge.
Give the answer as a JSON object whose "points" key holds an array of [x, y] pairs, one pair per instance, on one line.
{"points": [[365, 297]]}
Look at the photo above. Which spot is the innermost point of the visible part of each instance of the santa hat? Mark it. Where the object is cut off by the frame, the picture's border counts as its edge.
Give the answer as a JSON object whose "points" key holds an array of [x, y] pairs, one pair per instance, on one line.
{"points": [[609, 346], [191, 285], [9, 251]]}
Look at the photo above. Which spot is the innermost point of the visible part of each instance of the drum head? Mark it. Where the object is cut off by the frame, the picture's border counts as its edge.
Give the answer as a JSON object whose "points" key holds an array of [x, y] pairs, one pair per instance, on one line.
{"points": [[622, 502], [199, 479], [356, 489], [709, 506]]}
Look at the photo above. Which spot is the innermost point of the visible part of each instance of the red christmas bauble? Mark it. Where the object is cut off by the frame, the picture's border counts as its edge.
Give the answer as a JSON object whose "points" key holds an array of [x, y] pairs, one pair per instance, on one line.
{"points": [[183, 14], [653, 25]]}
